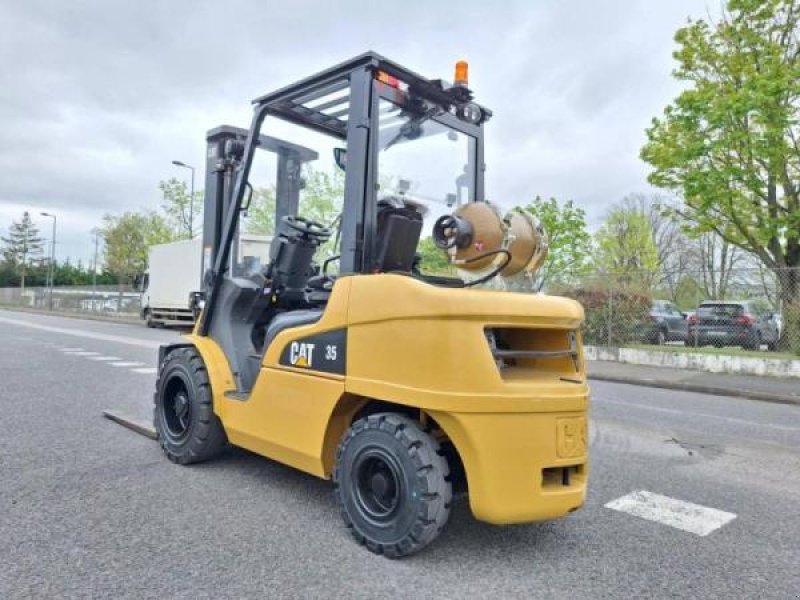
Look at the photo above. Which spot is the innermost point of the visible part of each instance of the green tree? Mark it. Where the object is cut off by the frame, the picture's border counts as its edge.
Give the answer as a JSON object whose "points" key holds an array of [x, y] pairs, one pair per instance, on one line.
{"points": [[261, 214], [730, 142], [570, 245], [183, 214], [22, 247], [66, 273], [127, 240], [323, 195], [673, 247], [626, 249], [434, 260], [8, 276]]}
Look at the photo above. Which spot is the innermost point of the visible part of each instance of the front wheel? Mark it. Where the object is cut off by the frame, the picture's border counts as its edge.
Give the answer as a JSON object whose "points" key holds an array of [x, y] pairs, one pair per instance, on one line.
{"points": [[188, 430], [392, 485]]}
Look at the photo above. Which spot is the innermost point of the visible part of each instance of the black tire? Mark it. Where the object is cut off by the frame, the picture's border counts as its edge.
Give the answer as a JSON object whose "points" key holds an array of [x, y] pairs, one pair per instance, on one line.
{"points": [[755, 345], [187, 428], [148, 319], [392, 485]]}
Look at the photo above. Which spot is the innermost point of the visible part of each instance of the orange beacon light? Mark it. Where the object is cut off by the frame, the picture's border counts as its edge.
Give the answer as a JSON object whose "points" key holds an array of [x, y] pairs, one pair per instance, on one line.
{"points": [[462, 73]]}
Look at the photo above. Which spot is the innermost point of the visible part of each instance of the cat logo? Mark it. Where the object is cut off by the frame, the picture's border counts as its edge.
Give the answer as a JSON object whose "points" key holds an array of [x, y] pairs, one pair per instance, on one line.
{"points": [[301, 354], [571, 437], [325, 352]]}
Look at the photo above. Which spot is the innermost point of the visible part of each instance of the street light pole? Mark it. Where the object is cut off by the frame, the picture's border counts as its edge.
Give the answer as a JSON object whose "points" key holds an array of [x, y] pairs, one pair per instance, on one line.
{"points": [[96, 233], [178, 163], [52, 269]]}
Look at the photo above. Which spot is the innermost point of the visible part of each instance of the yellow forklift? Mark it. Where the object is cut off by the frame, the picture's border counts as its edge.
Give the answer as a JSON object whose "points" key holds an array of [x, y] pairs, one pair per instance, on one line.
{"points": [[398, 384]]}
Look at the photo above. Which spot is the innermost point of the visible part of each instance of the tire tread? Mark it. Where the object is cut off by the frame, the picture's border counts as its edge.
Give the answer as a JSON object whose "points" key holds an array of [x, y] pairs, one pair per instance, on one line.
{"points": [[432, 471], [208, 436]]}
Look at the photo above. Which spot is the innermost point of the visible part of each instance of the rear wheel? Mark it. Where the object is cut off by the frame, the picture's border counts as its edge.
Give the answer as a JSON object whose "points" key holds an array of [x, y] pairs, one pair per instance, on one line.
{"points": [[187, 428], [392, 485], [755, 344]]}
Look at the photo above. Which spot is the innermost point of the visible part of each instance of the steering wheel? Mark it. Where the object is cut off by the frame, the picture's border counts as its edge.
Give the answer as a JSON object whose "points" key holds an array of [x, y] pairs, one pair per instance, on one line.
{"points": [[307, 226]]}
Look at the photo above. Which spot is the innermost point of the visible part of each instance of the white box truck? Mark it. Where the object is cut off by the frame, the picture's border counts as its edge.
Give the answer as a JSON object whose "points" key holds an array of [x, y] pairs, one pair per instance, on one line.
{"points": [[172, 286]]}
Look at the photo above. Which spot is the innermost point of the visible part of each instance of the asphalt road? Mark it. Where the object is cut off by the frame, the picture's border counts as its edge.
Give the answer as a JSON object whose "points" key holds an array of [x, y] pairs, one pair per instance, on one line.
{"points": [[90, 509]]}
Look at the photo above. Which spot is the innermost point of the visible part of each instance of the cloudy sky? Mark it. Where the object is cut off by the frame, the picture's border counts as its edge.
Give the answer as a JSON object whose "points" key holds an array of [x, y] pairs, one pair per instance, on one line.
{"points": [[97, 97]]}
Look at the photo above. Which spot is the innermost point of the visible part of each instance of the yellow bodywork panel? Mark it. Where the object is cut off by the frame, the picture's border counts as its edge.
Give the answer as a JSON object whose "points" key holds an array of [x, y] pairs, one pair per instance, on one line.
{"points": [[519, 427], [506, 456], [285, 418]]}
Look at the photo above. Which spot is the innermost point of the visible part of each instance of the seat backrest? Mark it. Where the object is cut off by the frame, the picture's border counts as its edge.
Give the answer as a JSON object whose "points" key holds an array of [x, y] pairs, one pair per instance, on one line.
{"points": [[397, 236]]}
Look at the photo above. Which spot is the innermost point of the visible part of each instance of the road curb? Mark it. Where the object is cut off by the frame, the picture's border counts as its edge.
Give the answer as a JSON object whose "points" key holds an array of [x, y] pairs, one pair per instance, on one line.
{"points": [[127, 320], [700, 388], [757, 366]]}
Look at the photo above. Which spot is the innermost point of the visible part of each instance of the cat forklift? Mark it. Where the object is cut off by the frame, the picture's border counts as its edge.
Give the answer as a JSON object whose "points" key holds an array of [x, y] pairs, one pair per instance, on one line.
{"points": [[365, 367]]}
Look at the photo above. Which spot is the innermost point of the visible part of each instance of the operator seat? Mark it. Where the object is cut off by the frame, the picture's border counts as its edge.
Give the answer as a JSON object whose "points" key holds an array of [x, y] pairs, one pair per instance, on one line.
{"points": [[274, 300]]}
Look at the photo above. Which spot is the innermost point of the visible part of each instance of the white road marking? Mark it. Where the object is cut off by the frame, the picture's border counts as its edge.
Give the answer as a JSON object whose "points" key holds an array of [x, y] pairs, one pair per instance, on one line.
{"points": [[146, 371], [126, 364], [104, 358], [85, 334], [84, 353], [686, 516], [71, 349], [687, 413]]}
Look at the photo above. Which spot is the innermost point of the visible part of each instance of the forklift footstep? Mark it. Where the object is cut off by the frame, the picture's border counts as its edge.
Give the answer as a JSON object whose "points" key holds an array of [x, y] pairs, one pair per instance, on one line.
{"points": [[140, 427]]}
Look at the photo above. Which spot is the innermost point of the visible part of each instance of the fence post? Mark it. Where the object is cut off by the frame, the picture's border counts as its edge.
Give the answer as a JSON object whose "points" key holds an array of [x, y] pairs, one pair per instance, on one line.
{"points": [[610, 315], [696, 326]]}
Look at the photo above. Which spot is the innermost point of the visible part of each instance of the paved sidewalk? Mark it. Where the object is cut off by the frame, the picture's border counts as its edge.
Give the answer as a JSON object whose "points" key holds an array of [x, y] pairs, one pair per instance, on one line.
{"points": [[771, 389]]}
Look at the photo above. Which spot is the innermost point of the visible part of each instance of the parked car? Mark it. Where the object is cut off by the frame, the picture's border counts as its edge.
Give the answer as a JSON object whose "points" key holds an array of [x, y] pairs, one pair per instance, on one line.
{"points": [[666, 324], [778, 319], [733, 323]]}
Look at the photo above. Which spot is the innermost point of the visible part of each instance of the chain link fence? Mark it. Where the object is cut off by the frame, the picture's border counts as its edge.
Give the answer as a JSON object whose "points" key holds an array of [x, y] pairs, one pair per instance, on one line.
{"points": [[730, 311], [110, 301], [726, 311]]}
